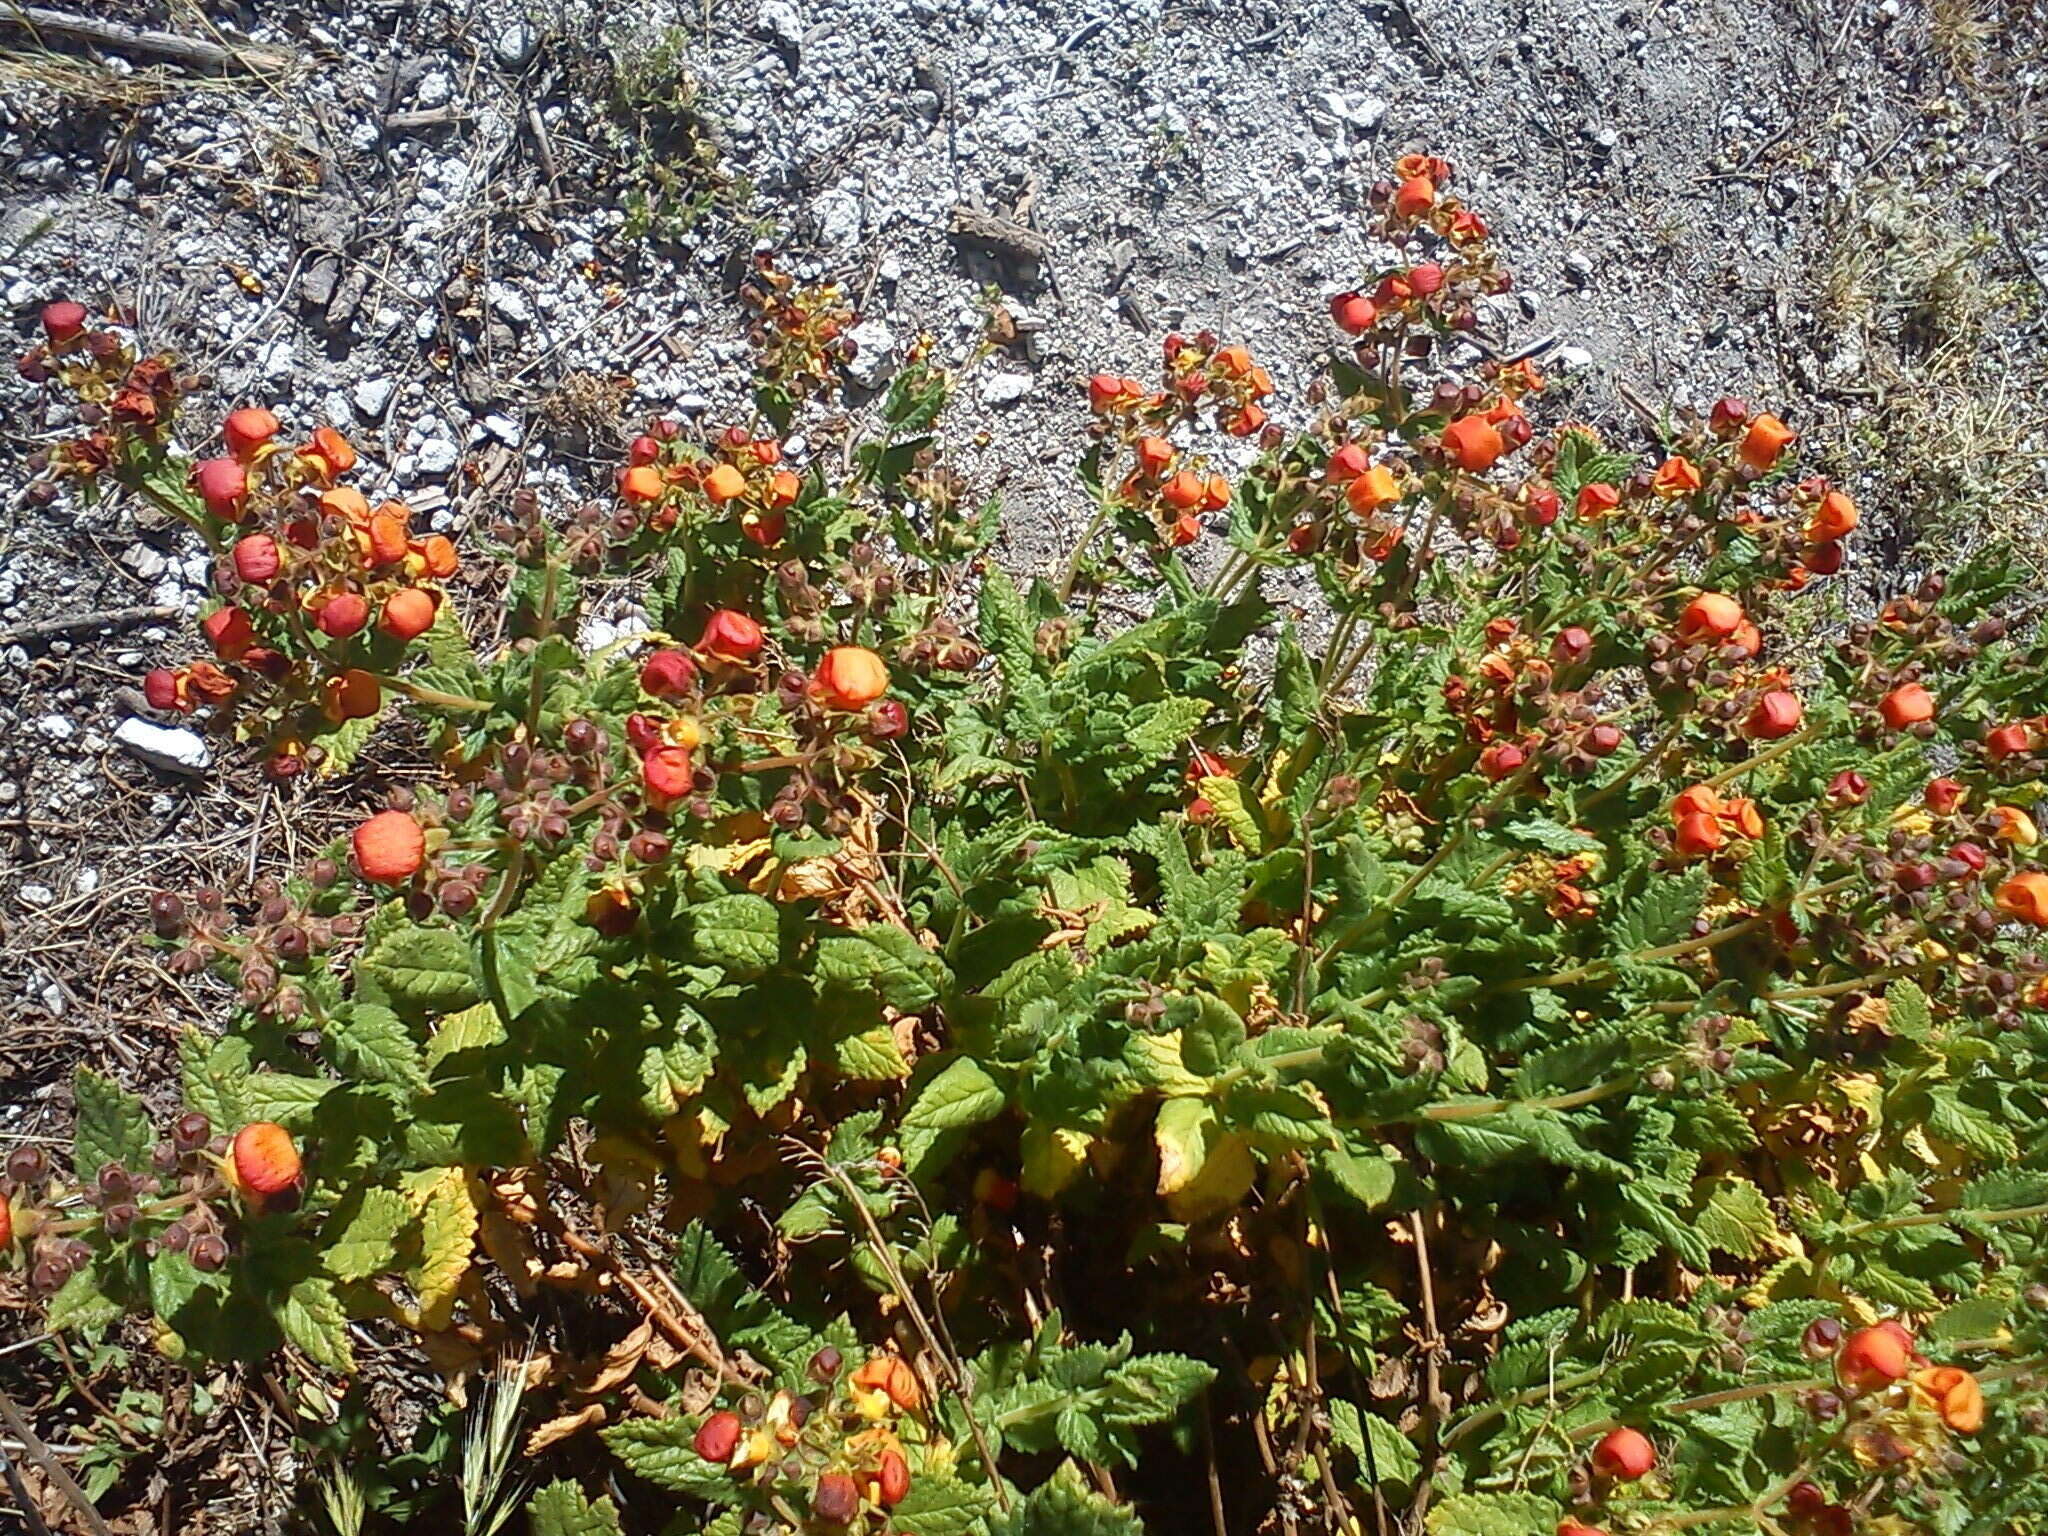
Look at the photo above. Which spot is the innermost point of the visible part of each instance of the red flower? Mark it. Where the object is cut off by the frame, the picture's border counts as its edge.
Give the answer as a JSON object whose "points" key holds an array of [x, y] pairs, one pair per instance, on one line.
{"points": [[1624, 1454], [1776, 714], [63, 321], [221, 483], [1354, 313], [256, 557], [668, 673], [666, 772], [731, 636], [229, 632], [343, 615]]}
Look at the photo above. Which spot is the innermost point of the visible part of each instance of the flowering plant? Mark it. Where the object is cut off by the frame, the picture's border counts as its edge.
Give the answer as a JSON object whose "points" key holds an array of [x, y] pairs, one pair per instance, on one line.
{"points": [[1555, 1041]]}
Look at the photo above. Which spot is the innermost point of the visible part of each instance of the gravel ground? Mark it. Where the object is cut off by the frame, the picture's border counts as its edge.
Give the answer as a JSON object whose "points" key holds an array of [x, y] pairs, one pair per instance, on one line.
{"points": [[485, 239]]}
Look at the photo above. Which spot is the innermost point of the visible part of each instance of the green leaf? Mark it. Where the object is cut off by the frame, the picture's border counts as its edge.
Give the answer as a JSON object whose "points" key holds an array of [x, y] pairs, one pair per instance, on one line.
{"points": [[1494, 1514], [962, 1095], [80, 1305], [1066, 1506], [284, 1097], [740, 932], [364, 1241], [112, 1127], [311, 1316], [374, 1043], [659, 1450], [419, 968], [1738, 1219], [563, 1509], [1663, 912], [1233, 812], [1382, 1451], [880, 960], [938, 1505]]}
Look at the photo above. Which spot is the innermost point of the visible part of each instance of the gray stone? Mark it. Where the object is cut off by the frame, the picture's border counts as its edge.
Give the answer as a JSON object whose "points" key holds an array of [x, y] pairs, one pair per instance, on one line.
{"points": [[173, 748]]}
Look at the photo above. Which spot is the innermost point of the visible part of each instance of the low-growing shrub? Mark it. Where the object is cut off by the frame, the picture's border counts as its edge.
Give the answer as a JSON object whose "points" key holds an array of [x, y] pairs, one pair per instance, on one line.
{"points": [[1523, 1051]]}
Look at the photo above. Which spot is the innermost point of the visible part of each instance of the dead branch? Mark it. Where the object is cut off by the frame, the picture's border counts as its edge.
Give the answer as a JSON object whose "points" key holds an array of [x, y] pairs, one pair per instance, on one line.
{"points": [[165, 47]]}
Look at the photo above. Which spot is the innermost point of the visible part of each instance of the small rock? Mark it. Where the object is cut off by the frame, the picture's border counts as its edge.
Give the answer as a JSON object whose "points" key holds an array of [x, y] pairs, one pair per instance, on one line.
{"points": [[172, 748], [874, 353], [1578, 267], [1005, 388], [839, 219], [37, 895], [437, 456], [1571, 359], [372, 396], [56, 728], [516, 45], [779, 22], [509, 302]]}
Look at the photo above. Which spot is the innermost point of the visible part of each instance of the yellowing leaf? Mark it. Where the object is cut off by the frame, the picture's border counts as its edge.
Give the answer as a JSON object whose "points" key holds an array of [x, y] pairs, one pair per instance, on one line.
{"points": [[448, 1226], [472, 1029], [1052, 1158], [1204, 1170]]}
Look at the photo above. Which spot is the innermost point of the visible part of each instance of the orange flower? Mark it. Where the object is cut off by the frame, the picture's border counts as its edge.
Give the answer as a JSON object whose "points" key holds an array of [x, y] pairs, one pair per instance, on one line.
{"points": [[408, 613], [1835, 518], [1473, 442], [390, 848], [642, 484], [724, 484], [1710, 616], [355, 695], [1874, 1357], [852, 677], [1765, 440], [247, 430], [890, 1377], [1370, 491], [1676, 477], [2014, 826], [1907, 705], [1415, 198], [1183, 492], [2025, 898], [1743, 816], [385, 540], [1700, 800], [1598, 499], [346, 502], [437, 556], [1698, 834], [265, 1163], [783, 488], [330, 454], [1955, 1394]]}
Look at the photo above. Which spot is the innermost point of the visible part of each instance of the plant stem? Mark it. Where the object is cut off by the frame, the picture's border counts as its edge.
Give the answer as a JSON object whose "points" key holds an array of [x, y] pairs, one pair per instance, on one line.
{"points": [[1935, 1218]]}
